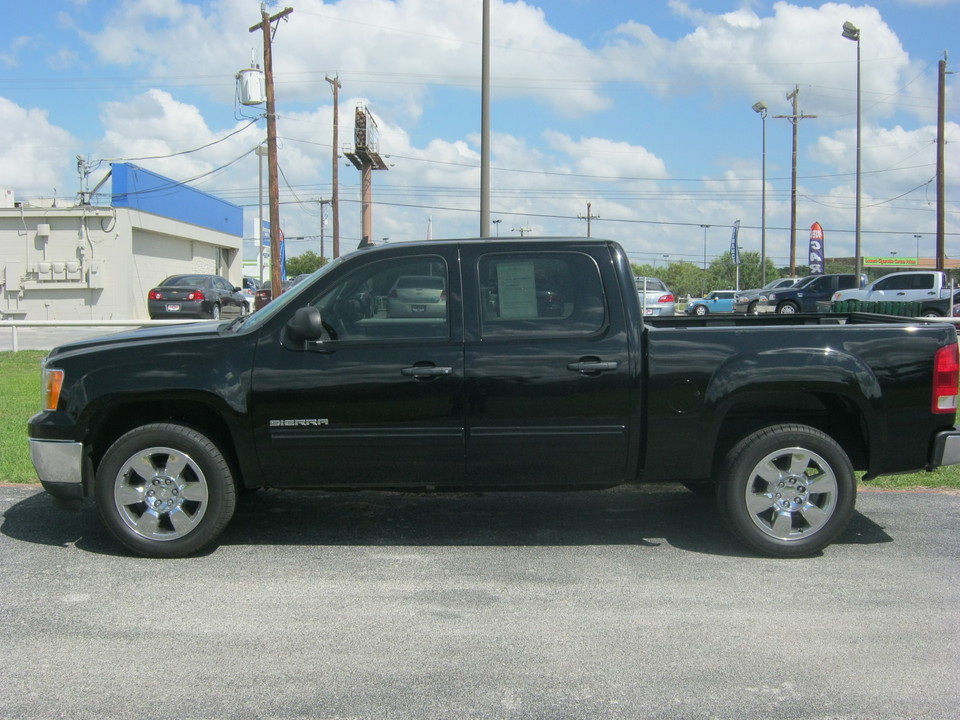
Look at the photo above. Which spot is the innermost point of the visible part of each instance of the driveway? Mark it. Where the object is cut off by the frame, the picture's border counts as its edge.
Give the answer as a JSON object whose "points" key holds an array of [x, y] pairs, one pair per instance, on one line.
{"points": [[618, 604]]}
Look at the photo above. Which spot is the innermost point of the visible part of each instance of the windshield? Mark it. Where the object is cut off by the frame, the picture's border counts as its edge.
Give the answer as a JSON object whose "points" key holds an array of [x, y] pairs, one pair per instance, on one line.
{"points": [[778, 283], [288, 296], [803, 282]]}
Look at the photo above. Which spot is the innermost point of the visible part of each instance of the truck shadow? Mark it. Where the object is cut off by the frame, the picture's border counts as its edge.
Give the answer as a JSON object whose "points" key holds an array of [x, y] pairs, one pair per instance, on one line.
{"points": [[646, 517]]}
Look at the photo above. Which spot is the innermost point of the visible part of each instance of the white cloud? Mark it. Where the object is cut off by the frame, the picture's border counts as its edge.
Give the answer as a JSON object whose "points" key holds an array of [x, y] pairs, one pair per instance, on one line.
{"points": [[39, 159]]}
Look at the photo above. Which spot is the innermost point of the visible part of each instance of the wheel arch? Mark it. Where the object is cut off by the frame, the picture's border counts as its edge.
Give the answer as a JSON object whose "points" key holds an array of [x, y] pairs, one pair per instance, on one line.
{"points": [[832, 391], [200, 413], [835, 414]]}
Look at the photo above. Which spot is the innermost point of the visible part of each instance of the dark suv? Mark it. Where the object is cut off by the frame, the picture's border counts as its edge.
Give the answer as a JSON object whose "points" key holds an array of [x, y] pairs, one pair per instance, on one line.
{"points": [[804, 296]]}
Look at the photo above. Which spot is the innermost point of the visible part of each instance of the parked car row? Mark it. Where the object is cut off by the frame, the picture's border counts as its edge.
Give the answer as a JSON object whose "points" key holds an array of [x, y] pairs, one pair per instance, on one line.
{"points": [[208, 296]]}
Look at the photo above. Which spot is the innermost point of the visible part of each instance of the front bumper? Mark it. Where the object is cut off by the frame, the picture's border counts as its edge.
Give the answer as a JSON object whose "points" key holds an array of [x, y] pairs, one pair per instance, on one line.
{"points": [[59, 465], [946, 449]]}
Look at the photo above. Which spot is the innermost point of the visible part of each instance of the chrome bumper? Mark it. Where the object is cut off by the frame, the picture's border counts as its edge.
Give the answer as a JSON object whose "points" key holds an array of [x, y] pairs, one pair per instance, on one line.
{"points": [[57, 461], [946, 449]]}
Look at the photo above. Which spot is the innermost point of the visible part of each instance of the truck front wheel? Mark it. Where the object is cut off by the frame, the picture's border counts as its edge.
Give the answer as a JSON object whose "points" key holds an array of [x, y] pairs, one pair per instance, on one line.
{"points": [[165, 490], [787, 490], [788, 308]]}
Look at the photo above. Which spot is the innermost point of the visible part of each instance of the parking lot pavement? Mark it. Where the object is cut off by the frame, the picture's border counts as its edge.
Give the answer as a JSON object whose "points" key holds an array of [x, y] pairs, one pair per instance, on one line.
{"points": [[618, 604]]}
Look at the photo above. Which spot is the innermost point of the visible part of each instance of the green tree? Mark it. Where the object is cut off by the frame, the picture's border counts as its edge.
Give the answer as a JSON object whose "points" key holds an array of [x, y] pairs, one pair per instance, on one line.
{"points": [[685, 279], [304, 263], [722, 273]]}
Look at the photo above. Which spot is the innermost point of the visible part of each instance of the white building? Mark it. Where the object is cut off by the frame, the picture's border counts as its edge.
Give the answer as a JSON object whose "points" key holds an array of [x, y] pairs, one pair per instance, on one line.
{"points": [[87, 262]]}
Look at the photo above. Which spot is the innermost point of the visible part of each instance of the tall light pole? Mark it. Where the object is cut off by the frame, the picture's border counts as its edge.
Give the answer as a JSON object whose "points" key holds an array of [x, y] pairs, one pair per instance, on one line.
{"points": [[485, 122], [703, 277], [852, 32], [704, 245], [917, 238], [760, 107]]}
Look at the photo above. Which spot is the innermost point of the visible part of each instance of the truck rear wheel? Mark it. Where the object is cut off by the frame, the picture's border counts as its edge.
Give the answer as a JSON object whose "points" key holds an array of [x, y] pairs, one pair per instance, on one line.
{"points": [[165, 490], [787, 490]]}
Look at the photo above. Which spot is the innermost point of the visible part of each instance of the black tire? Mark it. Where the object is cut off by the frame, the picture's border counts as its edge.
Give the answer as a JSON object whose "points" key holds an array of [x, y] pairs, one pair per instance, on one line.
{"points": [[787, 490], [701, 310], [215, 312], [788, 308], [181, 474], [752, 308]]}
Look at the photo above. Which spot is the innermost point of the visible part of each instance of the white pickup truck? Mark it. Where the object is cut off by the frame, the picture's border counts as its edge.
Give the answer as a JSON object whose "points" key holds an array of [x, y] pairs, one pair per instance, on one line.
{"points": [[911, 286]]}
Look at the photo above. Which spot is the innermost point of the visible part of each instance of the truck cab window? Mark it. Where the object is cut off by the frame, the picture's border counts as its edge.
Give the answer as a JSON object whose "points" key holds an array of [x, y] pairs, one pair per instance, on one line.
{"points": [[538, 293], [398, 299]]}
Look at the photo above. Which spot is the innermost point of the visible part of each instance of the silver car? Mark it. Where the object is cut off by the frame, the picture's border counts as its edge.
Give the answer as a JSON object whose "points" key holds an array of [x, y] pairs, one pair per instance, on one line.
{"points": [[655, 297], [417, 296]]}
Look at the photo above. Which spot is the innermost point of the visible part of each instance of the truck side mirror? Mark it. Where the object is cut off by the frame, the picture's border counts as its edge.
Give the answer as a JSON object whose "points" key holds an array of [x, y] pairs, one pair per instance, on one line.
{"points": [[305, 325]]}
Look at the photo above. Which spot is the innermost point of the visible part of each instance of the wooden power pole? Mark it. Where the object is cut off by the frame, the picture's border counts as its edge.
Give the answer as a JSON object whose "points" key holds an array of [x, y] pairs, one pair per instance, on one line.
{"points": [[795, 120], [272, 175], [941, 110]]}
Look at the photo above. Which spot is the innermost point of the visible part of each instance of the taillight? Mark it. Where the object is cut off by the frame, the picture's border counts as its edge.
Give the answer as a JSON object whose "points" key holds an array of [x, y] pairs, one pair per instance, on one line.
{"points": [[668, 298], [155, 295], [195, 295], [946, 375], [52, 382]]}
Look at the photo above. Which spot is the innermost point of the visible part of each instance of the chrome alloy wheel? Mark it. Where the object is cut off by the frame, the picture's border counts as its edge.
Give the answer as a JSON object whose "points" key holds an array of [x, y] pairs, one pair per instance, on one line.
{"points": [[791, 494], [160, 493]]}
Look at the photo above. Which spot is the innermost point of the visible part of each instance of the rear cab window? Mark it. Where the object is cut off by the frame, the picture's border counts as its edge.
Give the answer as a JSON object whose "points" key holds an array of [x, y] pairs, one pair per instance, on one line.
{"points": [[542, 294]]}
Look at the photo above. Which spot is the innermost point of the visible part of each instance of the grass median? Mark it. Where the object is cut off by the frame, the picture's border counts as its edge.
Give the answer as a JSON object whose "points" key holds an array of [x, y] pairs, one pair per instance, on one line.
{"points": [[20, 390]]}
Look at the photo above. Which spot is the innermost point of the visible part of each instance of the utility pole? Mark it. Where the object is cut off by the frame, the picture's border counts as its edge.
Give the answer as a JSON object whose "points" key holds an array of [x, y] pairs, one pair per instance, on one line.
{"points": [[265, 27], [588, 218], [795, 120], [335, 194], [941, 110]]}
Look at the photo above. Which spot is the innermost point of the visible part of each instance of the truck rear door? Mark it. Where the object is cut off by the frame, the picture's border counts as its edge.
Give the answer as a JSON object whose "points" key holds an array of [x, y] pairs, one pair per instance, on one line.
{"points": [[547, 366]]}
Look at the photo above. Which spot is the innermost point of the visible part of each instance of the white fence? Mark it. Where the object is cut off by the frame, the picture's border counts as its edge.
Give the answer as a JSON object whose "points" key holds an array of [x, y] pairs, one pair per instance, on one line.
{"points": [[78, 330]]}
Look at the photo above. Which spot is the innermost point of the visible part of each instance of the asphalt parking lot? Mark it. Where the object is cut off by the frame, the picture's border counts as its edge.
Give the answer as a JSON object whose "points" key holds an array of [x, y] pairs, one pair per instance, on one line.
{"points": [[618, 604]]}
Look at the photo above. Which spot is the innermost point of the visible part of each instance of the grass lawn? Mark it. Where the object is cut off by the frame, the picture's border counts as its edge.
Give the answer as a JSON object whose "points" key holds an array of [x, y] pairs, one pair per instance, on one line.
{"points": [[20, 390]]}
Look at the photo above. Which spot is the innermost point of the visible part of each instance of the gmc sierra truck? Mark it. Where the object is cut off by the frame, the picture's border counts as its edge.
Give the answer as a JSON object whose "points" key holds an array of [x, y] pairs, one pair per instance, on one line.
{"points": [[492, 365]]}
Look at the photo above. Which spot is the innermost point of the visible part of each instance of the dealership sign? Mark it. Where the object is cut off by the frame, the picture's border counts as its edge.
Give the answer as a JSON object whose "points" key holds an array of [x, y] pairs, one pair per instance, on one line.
{"points": [[890, 261]]}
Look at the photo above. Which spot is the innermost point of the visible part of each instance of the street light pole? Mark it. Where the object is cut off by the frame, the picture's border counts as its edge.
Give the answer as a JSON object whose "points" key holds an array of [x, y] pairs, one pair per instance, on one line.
{"points": [[852, 32], [760, 107]]}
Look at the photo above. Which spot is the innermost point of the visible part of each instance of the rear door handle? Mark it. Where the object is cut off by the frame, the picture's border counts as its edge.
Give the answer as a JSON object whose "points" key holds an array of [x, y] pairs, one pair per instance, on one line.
{"points": [[587, 367], [426, 371]]}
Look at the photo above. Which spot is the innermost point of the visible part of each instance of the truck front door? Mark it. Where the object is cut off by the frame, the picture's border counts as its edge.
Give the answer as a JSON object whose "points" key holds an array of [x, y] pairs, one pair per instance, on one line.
{"points": [[379, 401]]}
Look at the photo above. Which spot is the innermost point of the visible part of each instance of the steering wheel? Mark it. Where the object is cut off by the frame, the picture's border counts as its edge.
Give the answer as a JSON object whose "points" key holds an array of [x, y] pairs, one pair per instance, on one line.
{"points": [[331, 331]]}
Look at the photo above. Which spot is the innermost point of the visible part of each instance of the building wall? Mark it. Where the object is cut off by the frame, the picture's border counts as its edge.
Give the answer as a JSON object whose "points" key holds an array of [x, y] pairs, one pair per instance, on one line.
{"points": [[98, 263]]}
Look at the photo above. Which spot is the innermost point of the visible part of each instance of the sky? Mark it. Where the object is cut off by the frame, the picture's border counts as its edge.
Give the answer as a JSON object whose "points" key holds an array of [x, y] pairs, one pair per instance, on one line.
{"points": [[640, 110]]}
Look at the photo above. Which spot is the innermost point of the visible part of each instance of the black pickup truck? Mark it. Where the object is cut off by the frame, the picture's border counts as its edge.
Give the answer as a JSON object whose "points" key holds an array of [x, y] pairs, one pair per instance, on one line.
{"points": [[492, 365]]}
